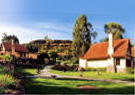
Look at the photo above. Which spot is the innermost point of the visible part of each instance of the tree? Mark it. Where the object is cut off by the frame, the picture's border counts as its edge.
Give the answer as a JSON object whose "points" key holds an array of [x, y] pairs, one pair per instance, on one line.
{"points": [[46, 38], [82, 33], [32, 48], [104, 40], [52, 55], [8, 38], [115, 28]]}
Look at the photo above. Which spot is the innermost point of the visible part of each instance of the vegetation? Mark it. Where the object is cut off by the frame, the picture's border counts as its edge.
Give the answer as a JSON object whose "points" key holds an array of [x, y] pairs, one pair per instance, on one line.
{"points": [[52, 55], [7, 58], [32, 48], [82, 33], [25, 71], [92, 74], [115, 28], [59, 86], [5, 80], [96, 69], [8, 38]]}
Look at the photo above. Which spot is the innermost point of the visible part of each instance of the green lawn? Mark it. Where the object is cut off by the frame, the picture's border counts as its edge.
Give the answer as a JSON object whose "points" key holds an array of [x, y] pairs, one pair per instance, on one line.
{"points": [[70, 86], [25, 71], [103, 75]]}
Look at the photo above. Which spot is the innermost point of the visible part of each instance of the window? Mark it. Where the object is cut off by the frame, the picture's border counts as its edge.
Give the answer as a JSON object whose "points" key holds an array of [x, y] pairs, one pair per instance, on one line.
{"points": [[117, 61]]}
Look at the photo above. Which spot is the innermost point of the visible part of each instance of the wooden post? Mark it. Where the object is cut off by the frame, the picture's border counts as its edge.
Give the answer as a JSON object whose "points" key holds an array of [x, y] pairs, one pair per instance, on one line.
{"points": [[132, 64]]}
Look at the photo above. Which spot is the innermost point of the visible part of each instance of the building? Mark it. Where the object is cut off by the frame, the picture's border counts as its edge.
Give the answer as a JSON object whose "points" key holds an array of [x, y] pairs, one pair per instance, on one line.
{"points": [[115, 55], [16, 50]]}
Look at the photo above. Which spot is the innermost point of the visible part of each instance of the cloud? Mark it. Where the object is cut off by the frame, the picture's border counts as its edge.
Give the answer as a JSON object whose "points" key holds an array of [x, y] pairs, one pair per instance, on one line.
{"points": [[37, 31], [55, 26]]}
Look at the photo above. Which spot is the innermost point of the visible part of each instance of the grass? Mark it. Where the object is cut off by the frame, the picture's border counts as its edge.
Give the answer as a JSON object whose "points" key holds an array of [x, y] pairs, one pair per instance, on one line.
{"points": [[25, 71], [70, 86], [92, 74]]}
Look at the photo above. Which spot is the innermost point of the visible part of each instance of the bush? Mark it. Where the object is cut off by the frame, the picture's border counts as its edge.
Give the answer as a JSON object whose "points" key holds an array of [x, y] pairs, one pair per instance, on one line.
{"points": [[128, 70], [5, 81], [65, 67], [7, 58], [95, 69], [90, 69], [101, 69]]}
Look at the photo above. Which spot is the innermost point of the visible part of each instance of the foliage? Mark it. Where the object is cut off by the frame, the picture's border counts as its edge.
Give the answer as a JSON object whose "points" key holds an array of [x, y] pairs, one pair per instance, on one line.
{"points": [[65, 67], [28, 63], [5, 81], [67, 55], [82, 33], [104, 40], [8, 38], [95, 69], [32, 48], [52, 55], [115, 28], [128, 70], [46, 38], [7, 58]]}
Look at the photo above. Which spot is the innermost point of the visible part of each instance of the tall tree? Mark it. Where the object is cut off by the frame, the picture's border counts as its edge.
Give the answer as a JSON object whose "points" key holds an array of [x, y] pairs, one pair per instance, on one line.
{"points": [[82, 33], [8, 38], [116, 28]]}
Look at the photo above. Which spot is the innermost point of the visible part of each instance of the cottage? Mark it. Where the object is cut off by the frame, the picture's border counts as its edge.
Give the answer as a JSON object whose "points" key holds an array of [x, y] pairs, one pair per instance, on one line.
{"points": [[115, 55], [16, 50]]}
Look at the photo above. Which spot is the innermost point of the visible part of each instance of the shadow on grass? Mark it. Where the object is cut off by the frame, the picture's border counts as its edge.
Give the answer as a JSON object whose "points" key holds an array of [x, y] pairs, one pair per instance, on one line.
{"points": [[46, 87], [23, 71]]}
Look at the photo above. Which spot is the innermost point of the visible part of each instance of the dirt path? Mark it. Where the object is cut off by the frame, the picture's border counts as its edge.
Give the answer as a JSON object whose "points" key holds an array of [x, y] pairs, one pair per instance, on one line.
{"points": [[46, 74]]}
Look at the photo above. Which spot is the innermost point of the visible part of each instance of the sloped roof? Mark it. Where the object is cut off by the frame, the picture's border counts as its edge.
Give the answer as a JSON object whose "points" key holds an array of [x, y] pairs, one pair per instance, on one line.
{"points": [[133, 51], [100, 50], [18, 47]]}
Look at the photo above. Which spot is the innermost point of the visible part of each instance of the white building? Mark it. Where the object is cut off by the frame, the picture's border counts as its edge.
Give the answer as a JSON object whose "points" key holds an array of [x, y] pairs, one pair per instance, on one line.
{"points": [[116, 54]]}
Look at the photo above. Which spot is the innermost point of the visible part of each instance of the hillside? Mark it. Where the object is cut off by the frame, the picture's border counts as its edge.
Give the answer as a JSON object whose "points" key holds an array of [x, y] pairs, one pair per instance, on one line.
{"points": [[60, 45]]}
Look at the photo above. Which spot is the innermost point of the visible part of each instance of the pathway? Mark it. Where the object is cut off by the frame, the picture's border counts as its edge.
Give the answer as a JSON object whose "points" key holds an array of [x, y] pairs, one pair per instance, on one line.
{"points": [[46, 74]]}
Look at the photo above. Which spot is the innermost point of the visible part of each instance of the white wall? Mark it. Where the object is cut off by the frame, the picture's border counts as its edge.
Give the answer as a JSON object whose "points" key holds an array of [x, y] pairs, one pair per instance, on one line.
{"points": [[122, 67], [97, 63], [122, 64], [82, 63]]}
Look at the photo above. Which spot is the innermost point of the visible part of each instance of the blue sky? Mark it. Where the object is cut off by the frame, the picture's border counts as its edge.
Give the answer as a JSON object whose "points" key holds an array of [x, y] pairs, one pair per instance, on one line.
{"points": [[34, 19]]}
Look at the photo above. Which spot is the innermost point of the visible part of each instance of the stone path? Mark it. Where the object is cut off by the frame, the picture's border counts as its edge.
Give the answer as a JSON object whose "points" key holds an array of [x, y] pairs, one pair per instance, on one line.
{"points": [[46, 74]]}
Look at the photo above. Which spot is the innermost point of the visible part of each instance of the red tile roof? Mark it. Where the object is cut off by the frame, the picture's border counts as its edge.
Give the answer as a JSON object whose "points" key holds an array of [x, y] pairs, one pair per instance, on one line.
{"points": [[100, 50], [18, 47], [133, 51]]}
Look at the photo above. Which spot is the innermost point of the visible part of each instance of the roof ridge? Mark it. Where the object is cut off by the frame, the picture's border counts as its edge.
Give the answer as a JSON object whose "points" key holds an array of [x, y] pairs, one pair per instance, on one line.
{"points": [[114, 41]]}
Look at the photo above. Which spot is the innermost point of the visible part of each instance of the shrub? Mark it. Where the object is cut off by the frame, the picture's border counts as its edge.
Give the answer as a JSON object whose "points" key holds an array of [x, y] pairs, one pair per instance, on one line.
{"points": [[101, 69], [95, 69], [64, 67], [90, 69], [7, 58], [6, 81], [128, 70]]}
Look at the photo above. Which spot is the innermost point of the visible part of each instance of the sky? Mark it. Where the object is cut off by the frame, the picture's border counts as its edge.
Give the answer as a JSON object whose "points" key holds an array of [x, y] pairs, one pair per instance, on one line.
{"points": [[35, 19]]}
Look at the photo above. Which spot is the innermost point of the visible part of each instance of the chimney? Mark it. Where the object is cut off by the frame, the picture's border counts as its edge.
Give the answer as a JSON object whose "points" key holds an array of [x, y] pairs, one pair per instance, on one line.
{"points": [[110, 44], [12, 47]]}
